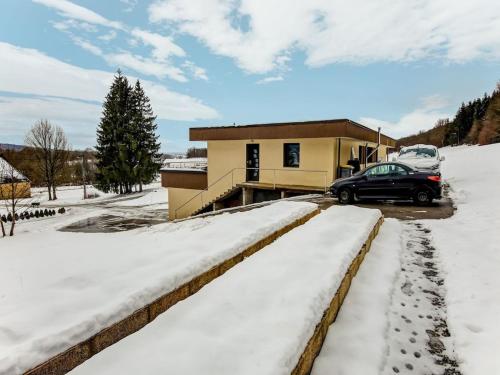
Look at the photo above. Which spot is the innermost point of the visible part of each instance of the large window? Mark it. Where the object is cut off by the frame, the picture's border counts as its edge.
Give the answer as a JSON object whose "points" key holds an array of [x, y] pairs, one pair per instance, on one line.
{"points": [[291, 155]]}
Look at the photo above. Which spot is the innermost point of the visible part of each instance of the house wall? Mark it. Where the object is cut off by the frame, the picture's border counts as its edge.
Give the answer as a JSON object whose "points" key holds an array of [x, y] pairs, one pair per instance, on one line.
{"points": [[177, 197], [316, 154], [21, 190], [317, 157], [178, 178]]}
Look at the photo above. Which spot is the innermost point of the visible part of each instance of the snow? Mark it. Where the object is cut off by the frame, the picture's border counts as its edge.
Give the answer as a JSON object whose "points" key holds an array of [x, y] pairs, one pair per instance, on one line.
{"points": [[255, 319], [362, 324], [8, 171], [59, 288], [68, 195], [469, 243], [156, 197]]}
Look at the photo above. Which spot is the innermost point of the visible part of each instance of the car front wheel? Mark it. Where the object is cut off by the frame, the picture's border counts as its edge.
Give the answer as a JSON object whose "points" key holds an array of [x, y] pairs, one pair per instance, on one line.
{"points": [[422, 197], [345, 196]]}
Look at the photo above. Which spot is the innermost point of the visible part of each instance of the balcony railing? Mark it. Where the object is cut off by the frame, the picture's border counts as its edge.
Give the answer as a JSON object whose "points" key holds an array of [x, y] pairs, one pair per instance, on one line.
{"points": [[272, 177]]}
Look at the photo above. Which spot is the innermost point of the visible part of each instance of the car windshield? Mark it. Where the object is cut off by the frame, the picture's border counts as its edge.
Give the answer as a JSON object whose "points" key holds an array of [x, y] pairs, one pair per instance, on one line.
{"points": [[420, 152]]}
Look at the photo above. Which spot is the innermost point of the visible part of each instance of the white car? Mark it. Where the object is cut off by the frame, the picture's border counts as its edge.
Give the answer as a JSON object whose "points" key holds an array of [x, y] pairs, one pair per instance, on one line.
{"points": [[424, 157]]}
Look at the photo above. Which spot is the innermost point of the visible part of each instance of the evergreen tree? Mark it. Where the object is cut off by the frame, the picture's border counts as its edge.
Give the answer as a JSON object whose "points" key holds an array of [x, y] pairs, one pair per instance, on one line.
{"points": [[127, 145], [112, 137], [145, 140]]}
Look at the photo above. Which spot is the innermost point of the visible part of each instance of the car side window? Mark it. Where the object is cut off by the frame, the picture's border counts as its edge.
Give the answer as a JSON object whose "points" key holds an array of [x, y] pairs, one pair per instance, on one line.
{"points": [[386, 170], [396, 170], [378, 171]]}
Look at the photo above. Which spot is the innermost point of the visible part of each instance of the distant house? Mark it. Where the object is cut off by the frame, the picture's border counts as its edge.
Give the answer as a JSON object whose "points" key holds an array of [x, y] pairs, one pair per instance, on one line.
{"points": [[253, 163], [12, 182]]}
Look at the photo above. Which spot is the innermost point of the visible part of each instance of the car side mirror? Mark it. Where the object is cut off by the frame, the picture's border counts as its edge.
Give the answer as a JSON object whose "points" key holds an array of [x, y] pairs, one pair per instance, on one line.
{"points": [[442, 158]]}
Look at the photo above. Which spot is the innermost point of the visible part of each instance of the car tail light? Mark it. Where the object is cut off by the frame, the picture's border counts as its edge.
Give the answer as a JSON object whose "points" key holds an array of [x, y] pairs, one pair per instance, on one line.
{"points": [[434, 178]]}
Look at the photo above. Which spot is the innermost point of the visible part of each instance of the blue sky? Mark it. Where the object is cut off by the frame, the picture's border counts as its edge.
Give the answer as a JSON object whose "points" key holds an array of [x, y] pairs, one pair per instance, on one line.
{"points": [[400, 65]]}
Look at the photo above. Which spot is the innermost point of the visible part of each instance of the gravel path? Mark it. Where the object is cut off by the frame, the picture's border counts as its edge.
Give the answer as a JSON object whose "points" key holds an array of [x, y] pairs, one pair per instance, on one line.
{"points": [[418, 338]]}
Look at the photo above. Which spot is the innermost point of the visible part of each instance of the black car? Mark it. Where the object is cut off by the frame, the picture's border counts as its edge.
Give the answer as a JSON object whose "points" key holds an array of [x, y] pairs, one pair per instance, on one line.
{"points": [[389, 181]]}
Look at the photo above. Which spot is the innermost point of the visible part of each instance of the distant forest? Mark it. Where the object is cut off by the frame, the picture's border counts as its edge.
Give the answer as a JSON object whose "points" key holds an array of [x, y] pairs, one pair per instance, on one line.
{"points": [[476, 122]]}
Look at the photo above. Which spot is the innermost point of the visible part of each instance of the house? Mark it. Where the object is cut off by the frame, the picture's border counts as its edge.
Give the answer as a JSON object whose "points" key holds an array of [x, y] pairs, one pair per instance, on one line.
{"points": [[12, 182], [254, 163]]}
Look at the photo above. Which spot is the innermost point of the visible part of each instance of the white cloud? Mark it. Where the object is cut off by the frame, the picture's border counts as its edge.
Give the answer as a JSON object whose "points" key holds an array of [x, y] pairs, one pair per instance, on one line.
{"points": [[145, 65], [67, 24], [130, 5], [108, 36], [79, 118], [196, 71], [71, 10], [422, 118], [86, 45], [138, 63], [28, 71], [163, 46], [269, 80], [257, 34]]}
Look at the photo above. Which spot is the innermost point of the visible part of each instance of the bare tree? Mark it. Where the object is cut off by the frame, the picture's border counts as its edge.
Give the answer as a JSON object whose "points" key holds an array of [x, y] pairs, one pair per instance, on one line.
{"points": [[14, 188], [51, 151]]}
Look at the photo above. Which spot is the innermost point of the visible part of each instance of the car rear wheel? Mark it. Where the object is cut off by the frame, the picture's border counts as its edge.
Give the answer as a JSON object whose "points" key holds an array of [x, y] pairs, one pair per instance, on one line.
{"points": [[422, 197], [345, 196]]}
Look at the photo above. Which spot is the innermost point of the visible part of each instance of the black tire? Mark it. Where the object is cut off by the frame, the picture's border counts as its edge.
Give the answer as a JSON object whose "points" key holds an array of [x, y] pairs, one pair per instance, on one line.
{"points": [[422, 197], [345, 196]]}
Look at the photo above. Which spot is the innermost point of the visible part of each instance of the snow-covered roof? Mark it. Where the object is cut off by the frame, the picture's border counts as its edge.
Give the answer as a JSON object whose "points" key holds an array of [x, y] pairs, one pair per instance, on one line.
{"points": [[8, 171], [199, 170], [185, 160]]}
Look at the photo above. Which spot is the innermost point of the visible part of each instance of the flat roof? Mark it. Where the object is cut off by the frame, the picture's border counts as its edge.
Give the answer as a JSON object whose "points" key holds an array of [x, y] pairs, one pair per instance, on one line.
{"points": [[288, 130]]}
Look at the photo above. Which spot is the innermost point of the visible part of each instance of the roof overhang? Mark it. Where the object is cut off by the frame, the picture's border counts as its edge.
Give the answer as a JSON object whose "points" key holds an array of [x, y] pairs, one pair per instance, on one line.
{"points": [[289, 130]]}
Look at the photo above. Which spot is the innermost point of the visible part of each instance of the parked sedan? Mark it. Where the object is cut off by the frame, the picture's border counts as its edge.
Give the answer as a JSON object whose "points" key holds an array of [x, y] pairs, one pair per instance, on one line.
{"points": [[389, 181]]}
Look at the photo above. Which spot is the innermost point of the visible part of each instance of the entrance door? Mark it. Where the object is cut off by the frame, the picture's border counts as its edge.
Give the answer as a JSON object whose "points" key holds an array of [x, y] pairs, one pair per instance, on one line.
{"points": [[253, 162]]}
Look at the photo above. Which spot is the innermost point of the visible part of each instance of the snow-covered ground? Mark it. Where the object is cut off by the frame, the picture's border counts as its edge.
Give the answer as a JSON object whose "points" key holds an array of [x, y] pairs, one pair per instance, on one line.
{"points": [[154, 196], [58, 288], [469, 244], [258, 317]]}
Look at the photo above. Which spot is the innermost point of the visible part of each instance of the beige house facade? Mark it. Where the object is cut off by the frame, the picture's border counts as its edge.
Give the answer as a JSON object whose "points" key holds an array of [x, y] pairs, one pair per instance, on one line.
{"points": [[253, 163]]}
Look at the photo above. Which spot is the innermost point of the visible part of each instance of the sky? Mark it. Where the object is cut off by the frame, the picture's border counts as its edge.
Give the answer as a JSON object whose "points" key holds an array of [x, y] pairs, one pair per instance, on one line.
{"points": [[401, 65]]}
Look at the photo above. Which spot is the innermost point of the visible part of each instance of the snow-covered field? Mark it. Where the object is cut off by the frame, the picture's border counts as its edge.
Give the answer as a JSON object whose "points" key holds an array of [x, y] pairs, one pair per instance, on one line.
{"points": [[469, 243], [58, 288], [258, 317]]}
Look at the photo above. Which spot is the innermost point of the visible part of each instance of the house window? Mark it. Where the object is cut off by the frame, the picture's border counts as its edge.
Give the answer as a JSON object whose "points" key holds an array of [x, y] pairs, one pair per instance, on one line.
{"points": [[291, 155]]}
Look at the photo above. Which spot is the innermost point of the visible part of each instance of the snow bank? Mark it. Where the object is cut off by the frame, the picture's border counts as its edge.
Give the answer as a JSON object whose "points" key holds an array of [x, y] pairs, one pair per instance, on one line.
{"points": [[257, 317], [469, 244], [362, 323], [59, 288]]}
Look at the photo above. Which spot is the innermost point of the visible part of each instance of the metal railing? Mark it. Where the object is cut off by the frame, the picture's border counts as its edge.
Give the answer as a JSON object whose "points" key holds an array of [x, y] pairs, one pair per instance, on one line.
{"points": [[271, 176]]}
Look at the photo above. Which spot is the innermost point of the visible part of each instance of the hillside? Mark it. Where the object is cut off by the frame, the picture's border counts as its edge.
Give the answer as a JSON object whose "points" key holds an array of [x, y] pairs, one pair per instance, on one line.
{"points": [[477, 122]]}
